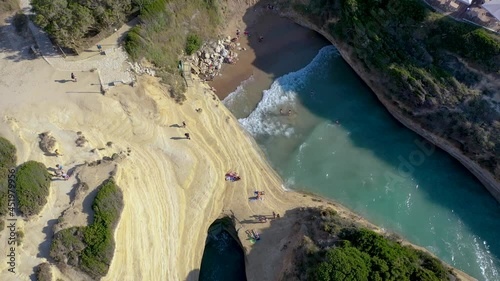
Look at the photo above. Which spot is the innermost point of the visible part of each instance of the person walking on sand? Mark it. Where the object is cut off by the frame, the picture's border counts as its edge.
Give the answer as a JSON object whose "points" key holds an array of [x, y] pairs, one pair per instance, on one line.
{"points": [[183, 124], [187, 136], [274, 215], [73, 77]]}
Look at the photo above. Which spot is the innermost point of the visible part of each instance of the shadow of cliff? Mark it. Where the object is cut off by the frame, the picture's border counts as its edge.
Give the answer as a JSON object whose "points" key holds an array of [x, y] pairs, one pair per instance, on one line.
{"points": [[359, 112], [193, 275], [282, 40], [44, 247]]}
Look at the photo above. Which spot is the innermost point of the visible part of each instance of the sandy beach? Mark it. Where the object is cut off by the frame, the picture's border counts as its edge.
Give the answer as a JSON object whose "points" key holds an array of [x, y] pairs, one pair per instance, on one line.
{"points": [[174, 188], [286, 47]]}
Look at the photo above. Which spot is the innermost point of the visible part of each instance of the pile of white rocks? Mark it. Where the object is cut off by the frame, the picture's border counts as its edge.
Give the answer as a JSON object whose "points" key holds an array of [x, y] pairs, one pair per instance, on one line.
{"points": [[207, 62], [139, 69]]}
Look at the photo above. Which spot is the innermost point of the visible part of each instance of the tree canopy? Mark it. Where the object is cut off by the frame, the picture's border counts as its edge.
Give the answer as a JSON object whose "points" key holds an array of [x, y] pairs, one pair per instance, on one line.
{"points": [[70, 20]]}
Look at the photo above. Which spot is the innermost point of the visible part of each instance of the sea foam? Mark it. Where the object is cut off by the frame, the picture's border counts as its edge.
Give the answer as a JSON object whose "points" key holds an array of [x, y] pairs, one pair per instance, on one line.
{"points": [[266, 118], [236, 96]]}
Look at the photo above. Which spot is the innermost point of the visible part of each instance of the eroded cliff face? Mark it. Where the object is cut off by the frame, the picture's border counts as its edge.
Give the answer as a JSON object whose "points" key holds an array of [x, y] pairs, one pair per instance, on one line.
{"points": [[445, 94]]}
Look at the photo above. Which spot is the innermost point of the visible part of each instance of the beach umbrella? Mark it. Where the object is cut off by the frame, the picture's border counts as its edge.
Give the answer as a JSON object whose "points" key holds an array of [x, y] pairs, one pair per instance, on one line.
{"points": [[493, 7]]}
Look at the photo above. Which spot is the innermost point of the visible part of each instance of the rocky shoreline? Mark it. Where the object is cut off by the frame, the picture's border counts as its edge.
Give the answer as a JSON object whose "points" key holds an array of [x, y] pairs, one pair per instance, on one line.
{"points": [[207, 62], [484, 176]]}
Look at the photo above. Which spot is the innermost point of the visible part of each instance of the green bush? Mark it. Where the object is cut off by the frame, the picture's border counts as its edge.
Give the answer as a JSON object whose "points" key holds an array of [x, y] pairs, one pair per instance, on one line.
{"points": [[177, 85], [7, 154], [161, 39], [346, 263], [43, 272], [32, 187], [7, 160], [362, 254], [193, 43], [69, 21], [91, 248]]}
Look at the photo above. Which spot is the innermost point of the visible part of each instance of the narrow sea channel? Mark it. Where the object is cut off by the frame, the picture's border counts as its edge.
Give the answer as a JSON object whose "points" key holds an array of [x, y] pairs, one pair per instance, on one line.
{"points": [[340, 142]]}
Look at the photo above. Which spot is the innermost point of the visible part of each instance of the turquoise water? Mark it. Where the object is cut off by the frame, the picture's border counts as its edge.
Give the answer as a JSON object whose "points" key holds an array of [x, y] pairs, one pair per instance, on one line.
{"points": [[223, 259], [341, 143]]}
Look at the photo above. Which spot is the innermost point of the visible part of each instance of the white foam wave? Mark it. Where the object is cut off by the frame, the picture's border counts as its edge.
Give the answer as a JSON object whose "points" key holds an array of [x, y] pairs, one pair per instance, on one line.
{"points": [[235, 96], [266, 118], [484, 260]]}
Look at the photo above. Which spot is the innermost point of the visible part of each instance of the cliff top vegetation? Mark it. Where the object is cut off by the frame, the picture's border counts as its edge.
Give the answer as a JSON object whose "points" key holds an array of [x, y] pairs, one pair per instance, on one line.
{"points": [[440, 72], [91, 248], [334, 248]]}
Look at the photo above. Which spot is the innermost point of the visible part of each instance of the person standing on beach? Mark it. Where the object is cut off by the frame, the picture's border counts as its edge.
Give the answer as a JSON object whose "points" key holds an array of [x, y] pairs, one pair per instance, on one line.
{"points": [[187, 136], [73, 77], [183, 124]]}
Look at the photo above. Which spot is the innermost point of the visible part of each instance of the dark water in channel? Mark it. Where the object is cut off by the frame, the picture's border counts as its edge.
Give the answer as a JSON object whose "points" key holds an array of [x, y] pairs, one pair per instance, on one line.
{"points": [[371, 163]]}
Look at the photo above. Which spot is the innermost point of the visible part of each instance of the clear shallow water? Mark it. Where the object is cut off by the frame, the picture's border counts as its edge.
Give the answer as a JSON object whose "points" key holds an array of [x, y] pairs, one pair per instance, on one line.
{"points": [[372, 164], [223, 259]]}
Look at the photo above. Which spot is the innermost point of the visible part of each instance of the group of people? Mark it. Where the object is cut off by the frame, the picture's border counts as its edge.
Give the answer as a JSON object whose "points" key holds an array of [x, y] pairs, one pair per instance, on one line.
{"points": [[60, 172], [283, 112], [232, 176], [259, 194], [253, 235]]}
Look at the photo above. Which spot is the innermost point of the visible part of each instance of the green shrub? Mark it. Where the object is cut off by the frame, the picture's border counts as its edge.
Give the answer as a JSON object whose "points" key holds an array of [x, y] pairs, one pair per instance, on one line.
{"points": [[7, 160], [43, 272], [193, 43], [177, 85], [91, 248], [347, 264], [356, 253], [161, 38], [32, 187], [70, 21], [19, 237], [362, 254]]}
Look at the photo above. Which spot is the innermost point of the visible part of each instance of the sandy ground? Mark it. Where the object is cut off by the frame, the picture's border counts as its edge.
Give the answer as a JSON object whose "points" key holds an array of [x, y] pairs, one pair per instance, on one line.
{"points": [[174, 188], [286, 47]]}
